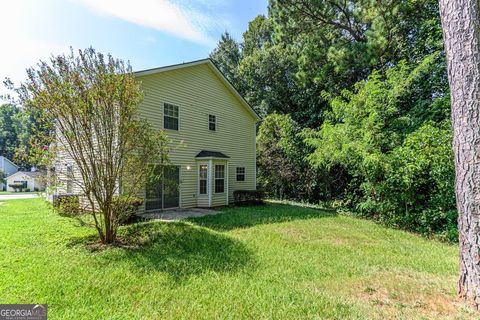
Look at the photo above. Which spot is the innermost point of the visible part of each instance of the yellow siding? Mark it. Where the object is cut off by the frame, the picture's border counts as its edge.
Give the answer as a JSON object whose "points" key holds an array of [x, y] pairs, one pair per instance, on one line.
{"points": [[198, 92]]}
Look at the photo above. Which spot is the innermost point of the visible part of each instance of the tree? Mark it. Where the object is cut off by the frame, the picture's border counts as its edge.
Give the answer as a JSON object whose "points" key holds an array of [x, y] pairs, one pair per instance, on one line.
{"points": [[87, 107], [461, 32], [8, 130], [227, 56]]}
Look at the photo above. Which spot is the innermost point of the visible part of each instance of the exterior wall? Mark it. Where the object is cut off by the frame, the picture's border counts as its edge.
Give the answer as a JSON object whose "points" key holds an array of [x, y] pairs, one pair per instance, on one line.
{"points": [[198, 92], [31, 182]]}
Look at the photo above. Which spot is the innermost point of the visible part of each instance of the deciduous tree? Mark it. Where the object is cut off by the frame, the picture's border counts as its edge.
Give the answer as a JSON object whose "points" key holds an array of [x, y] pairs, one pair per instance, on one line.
{"points": [[87, 104]]}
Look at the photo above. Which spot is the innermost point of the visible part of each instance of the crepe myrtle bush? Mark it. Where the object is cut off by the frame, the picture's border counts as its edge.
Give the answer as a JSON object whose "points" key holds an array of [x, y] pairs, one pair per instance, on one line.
{"points": [[86, 104]]}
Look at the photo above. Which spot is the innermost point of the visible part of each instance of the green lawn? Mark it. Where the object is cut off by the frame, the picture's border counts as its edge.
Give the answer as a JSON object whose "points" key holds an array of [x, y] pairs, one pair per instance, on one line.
{"points": [[276, 261]]}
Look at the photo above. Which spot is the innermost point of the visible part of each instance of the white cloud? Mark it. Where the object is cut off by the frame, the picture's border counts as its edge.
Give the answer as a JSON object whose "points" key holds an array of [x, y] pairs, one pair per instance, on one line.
{"points": [[20, 48], [162, 15]]}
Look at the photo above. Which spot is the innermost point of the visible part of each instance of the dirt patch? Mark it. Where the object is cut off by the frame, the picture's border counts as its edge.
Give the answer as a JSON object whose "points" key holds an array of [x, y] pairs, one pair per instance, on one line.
{"points": [[410, 295], [295, 233]]}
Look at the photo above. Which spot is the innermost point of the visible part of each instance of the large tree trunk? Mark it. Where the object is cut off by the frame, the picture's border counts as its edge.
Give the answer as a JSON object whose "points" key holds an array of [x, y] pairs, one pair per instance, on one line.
{"points": [[461, 33]]}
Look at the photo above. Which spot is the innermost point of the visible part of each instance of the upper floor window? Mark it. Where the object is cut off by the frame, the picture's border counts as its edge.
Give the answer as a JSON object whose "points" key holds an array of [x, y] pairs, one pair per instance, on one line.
{"points": [[240, 173], [212, 122], [170, 116], [219, 178]]}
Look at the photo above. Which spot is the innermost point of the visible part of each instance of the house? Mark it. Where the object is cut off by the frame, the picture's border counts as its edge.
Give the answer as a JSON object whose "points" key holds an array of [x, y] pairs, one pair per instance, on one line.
{"points": [[8, 168], [31, 180], [214, 129]]}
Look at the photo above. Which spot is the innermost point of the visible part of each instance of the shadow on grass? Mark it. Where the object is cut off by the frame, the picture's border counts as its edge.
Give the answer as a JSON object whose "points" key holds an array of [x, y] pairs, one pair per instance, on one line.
{"points": [[177, 248], [245, 217]]}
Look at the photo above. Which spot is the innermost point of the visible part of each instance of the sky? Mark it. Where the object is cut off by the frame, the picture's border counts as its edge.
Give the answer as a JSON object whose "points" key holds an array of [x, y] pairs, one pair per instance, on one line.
{"points": [[148, 33]]}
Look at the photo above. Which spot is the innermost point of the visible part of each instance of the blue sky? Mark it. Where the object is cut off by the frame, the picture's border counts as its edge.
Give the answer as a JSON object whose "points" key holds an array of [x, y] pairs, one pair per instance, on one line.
{"points": [[148, 33]]}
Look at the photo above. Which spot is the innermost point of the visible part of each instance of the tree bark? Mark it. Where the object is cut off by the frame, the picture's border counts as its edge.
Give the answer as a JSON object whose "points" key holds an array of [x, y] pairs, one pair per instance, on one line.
{"points": [[461, 33]]}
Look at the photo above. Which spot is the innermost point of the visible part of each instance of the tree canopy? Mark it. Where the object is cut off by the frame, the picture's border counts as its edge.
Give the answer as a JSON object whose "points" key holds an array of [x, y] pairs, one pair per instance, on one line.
{"points": [[355, 97]]}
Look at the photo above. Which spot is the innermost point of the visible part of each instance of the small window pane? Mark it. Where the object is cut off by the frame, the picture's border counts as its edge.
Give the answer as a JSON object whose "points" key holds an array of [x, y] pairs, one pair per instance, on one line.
{"points": [[219, 185], [203, 186], [219, 171], [219, 178], [203, 179], [203, 171], [240, 174], [212, 122]]}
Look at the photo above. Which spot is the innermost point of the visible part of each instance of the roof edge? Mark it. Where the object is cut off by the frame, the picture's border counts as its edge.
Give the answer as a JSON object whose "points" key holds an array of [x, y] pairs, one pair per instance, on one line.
{"points": [[10, 161]]}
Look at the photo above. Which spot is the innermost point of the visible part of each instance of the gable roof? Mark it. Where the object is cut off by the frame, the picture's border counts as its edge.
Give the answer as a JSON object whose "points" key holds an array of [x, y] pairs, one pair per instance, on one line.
{"points": [[215, 70], [2, 157], [31, 174]]}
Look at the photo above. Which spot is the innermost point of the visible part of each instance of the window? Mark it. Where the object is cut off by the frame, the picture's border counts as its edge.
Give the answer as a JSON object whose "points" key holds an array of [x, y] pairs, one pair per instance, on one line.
{"points": [[203, 178], [240, 174], [212, 122], [219, 178], [69, 179], [170, 116]]}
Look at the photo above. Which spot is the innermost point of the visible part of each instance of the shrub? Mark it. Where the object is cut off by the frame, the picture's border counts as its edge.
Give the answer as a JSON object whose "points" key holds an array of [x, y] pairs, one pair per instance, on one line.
{"points": [[67, 205], [125, 207], [27, 190], [248, 196], [18, 186]]}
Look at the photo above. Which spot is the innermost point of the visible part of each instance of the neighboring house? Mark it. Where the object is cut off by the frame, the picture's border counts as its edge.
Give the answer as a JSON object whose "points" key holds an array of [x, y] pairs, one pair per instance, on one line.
{"points": [[8, 168], [212, 128], [31, 180]]}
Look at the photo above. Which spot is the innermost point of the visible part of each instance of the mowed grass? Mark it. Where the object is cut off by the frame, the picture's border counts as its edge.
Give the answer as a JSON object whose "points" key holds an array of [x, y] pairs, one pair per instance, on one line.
{"points": [[268, 262]]}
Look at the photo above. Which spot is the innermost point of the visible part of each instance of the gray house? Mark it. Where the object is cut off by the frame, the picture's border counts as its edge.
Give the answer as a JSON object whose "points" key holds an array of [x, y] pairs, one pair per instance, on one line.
{"points": [[8, 168]]}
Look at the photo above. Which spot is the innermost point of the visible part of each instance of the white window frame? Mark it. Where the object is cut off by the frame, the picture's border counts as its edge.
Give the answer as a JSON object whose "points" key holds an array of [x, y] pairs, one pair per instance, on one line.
{"points": [[222, 178], [202, 179], [237, 174], [165, 104]]}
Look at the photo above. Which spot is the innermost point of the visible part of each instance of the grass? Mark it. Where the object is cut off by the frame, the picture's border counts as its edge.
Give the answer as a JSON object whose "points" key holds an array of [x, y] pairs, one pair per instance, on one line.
{"points": [[275, 261]]}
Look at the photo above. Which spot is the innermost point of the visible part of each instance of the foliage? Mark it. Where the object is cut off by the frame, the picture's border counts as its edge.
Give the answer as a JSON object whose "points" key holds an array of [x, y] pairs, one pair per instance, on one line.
{"points": [[87, 104], [347, 88], [126, 207], [281, 171], [17, 186], [67, 205], [16, 128], [248, 197], [401, 164]]}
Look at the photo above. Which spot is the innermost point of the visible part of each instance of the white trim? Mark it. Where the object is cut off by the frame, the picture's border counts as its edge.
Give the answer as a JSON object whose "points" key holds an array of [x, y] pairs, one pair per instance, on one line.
{"points": [[215, 70], [199, 178], [226, 183], [209, 183], [179, 187], [19, 172]]}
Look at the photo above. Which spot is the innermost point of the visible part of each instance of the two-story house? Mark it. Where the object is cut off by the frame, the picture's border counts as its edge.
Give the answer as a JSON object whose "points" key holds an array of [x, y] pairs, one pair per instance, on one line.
{"points": [[212, 128]]}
